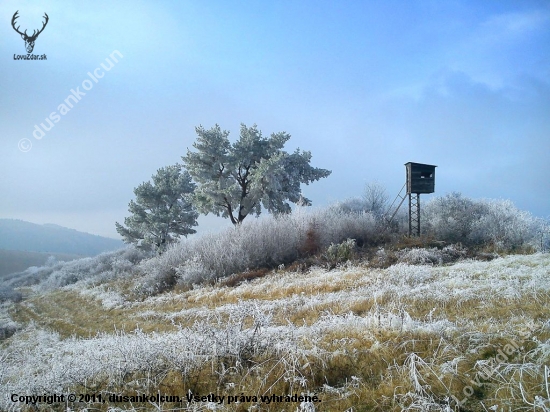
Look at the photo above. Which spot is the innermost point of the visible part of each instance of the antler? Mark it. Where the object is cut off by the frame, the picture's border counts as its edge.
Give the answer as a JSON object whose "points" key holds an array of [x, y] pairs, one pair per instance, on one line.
{"points": [[15, 16], [34, 33], [43, 26]]}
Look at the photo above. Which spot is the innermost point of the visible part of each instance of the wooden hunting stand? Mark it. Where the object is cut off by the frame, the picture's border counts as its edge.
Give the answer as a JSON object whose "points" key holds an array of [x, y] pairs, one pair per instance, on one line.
{"points": [[420, 179]]}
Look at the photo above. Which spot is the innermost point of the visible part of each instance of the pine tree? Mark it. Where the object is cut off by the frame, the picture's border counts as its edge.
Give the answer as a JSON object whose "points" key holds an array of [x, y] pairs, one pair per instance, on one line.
{"points": [[162, 211], [235, 180]]}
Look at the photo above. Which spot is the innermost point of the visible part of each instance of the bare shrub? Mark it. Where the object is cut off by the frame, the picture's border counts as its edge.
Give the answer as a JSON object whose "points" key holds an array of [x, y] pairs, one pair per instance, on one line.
{"points": [[375, 198], [311, 244]]}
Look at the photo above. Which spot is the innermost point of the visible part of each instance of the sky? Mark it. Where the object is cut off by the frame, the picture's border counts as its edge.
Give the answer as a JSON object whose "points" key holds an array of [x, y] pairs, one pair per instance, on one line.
{"points": [[366, 86]]}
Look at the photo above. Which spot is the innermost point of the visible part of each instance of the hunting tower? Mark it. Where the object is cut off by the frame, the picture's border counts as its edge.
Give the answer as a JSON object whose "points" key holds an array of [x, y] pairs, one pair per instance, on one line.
{"points": [[420, 179]]}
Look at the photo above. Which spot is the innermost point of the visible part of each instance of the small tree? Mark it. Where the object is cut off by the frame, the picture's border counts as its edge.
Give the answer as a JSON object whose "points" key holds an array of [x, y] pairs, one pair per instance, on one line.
{"points": [[162, 211], [375, 198], [237, 179]]}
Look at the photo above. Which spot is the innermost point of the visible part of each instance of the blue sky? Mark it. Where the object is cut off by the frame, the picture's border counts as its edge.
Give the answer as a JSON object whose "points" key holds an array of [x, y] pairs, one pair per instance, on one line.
{"points": [[366, 86]]}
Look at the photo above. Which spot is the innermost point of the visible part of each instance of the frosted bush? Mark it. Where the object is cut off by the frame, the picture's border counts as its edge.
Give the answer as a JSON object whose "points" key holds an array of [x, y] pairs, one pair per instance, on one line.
{"points": [[156, 280], [9, 294], [420, 256], [504, 225], [7, 325], [351, 205], [223, 254], [258, 243], [192, 271], [69, 273], [100, 268], [119, 264], [341, 252], [7, 328], [29, 276], [425, 256], [271, 242], [338, 226], [454, 218], [451, 217]]}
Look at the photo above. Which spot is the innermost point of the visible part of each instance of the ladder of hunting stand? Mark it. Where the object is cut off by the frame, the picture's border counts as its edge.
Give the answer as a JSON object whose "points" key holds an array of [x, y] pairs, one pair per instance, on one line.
{"points": [[399, 198]]}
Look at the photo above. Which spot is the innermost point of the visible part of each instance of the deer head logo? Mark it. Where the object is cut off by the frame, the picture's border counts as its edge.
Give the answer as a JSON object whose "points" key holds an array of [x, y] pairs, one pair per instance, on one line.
{"points": [[29, 40]]}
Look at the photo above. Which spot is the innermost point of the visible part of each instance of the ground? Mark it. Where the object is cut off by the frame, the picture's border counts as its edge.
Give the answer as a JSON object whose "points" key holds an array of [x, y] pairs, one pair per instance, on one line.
{"points": [[465, 336]]}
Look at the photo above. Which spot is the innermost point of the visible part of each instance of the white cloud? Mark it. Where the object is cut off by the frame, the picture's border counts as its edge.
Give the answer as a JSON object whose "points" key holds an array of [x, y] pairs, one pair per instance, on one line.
{"points": [[512, 25], [503, 46]]}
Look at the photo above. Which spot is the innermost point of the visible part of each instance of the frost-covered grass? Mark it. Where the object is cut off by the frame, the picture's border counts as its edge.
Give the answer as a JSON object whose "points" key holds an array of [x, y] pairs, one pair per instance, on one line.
{"points": [[408, 337]]}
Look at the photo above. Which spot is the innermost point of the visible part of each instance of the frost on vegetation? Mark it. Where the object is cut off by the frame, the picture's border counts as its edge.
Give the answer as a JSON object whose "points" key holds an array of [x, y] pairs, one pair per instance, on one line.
{"points": [[39, 361], [454, 218], [240, 338], [90, 270], [406, 275], [109, 298], [269, 242], [431, 256], [504, 278], [388, 319], [7, 325], [8, 294], [342, 252], [420, 396]]}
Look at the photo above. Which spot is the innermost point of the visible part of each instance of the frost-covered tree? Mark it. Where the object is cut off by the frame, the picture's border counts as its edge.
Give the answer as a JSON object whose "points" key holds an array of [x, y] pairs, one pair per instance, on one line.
{"points": [[375, 198], [235, 180], [163, 210], [452, 217]]}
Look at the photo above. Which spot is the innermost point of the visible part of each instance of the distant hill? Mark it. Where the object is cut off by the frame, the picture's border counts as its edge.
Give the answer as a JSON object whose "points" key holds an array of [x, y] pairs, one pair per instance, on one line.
{"points": [[25, 236], [12, 261]]}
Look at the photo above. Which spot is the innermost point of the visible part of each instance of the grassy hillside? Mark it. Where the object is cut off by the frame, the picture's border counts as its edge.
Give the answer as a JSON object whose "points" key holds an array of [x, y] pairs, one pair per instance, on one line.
{"points": [[288, 307], [475, 334]]}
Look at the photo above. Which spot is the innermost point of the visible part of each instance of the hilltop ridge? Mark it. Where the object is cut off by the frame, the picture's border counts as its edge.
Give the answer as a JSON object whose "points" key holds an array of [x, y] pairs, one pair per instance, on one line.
{"points": [[18, 234]]}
